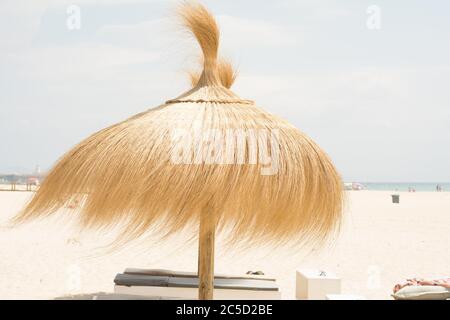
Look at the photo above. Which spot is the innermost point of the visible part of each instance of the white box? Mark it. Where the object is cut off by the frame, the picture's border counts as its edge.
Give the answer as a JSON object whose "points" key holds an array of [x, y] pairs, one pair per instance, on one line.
{"points": [[316, 284]]}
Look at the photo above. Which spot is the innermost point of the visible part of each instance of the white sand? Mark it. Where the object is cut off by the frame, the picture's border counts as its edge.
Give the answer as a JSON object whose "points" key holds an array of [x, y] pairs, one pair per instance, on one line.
{"points": [[380, 244]]}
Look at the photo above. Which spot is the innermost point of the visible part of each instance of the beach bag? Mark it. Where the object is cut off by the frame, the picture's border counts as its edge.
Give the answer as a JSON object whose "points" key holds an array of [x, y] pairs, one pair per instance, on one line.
{"points": [[422, 293]]}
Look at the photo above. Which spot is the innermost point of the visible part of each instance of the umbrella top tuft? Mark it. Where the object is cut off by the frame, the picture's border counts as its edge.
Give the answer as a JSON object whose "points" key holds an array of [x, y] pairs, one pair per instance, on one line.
{"points": [[201, 23], [227, 74]]}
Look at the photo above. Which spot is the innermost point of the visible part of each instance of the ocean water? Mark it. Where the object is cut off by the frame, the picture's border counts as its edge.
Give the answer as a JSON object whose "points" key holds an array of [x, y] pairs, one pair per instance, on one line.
{"points": [[405, 186]]}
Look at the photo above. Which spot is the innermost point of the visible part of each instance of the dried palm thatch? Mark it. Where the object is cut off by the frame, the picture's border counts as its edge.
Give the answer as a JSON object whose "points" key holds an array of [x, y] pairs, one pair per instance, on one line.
{"points": [[227, 74], [254, 174]]}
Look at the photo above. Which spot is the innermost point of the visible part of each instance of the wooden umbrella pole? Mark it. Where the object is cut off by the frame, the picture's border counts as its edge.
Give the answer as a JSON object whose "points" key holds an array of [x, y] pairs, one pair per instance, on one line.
{"points": [[206, 255]]}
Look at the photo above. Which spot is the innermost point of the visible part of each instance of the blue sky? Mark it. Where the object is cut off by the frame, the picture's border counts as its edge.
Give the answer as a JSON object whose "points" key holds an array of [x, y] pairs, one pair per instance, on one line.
{"points": [[377, 100]]}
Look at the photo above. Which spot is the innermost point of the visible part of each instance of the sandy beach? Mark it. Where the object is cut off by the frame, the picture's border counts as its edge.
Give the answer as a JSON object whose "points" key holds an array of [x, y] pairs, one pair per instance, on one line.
{"points": [[380, 244]]}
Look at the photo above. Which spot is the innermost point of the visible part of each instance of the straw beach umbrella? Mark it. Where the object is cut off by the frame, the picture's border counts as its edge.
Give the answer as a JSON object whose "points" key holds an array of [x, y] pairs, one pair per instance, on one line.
{"points": [[207, 160]]}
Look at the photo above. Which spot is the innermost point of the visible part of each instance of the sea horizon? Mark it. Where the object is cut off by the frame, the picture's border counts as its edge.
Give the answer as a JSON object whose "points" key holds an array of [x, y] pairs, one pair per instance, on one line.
{"points": [[358, 185], [404, 186]]}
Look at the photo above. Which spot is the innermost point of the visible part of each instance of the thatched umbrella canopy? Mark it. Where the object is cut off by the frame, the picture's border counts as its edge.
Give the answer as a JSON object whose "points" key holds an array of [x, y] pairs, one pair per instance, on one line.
{"points": [[207, 158]]}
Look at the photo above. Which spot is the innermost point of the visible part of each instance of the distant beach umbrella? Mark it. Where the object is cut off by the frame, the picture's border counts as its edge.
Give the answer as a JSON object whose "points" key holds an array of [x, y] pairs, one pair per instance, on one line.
{"points": [[207, 160]]}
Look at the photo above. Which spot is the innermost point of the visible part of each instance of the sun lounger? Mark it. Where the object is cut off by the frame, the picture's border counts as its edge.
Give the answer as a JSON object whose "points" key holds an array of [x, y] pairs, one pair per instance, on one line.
{"points": [[186, 274], [110, 296], [344, 297], [175, 284]]}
